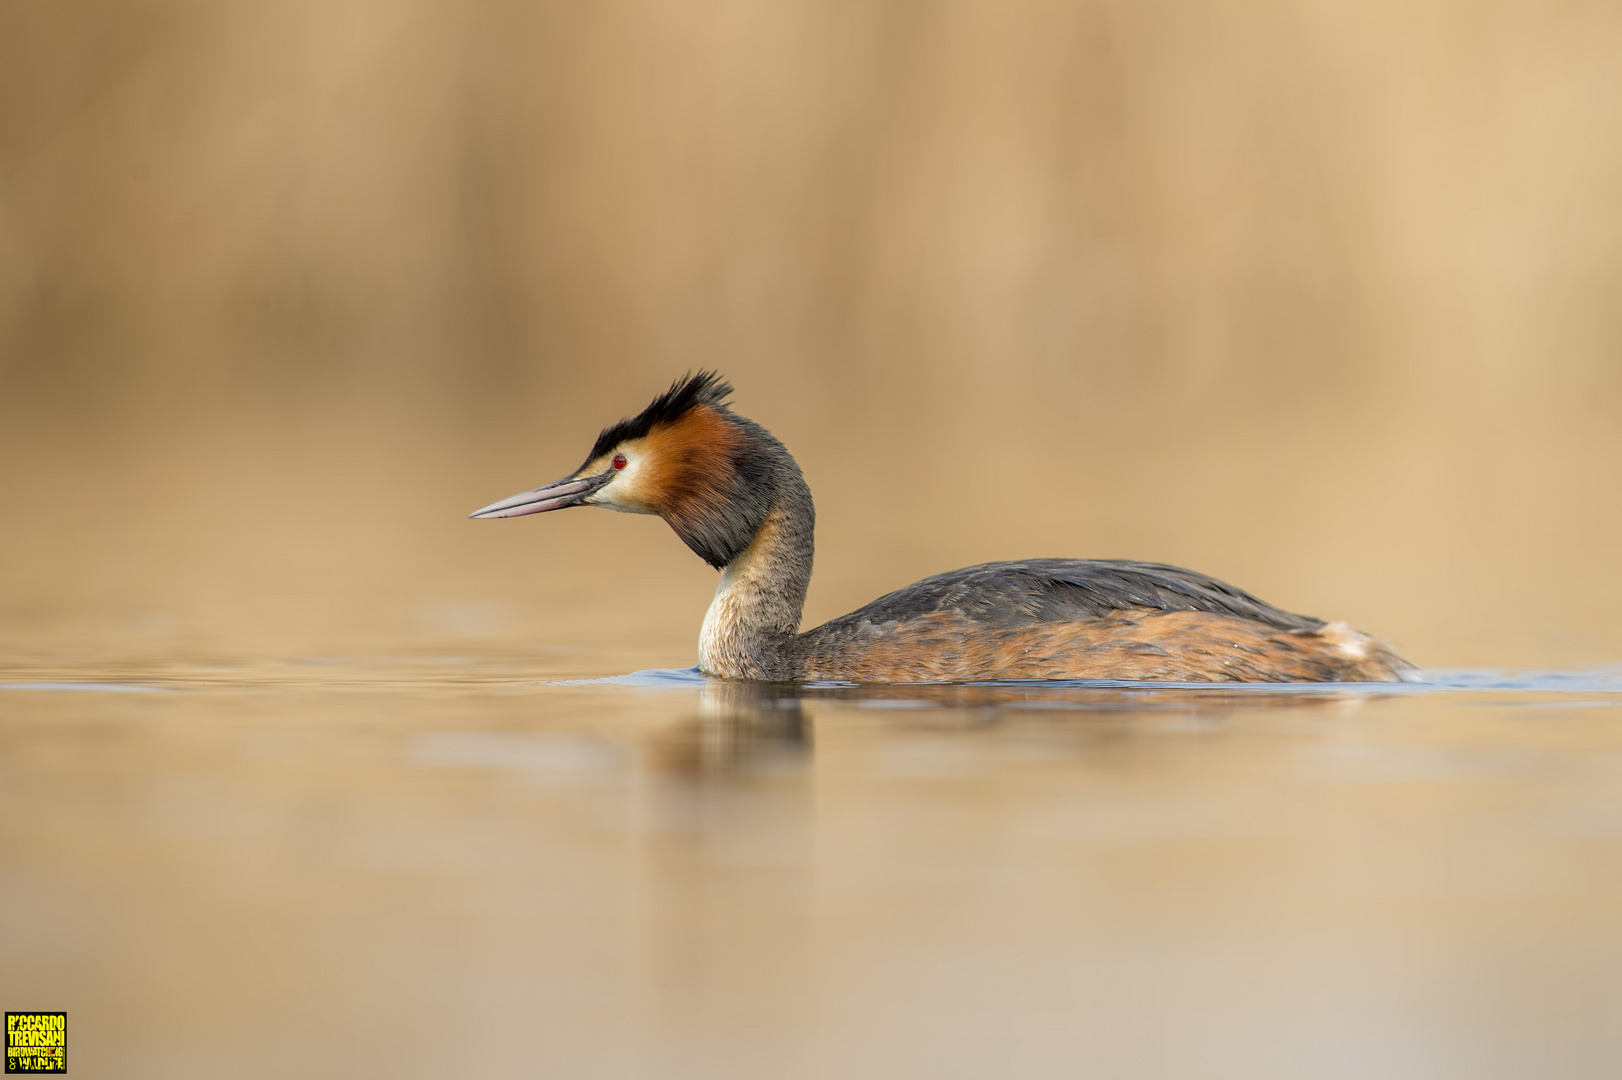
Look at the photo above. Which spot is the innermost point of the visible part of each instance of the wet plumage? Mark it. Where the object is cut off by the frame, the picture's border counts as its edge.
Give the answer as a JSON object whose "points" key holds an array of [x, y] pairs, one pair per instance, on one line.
{"points": [[734, 494]]}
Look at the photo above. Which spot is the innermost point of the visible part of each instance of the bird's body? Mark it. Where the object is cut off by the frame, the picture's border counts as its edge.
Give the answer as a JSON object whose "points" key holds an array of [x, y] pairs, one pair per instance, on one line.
{"points": [[737, 498]]}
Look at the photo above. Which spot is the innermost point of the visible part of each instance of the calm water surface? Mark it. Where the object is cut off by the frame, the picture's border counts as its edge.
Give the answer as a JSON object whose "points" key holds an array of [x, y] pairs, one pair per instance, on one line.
{"points": [[494, 865]]}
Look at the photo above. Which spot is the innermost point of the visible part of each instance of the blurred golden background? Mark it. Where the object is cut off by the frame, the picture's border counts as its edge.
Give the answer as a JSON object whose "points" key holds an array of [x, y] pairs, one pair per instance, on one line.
{"points": [[1325, 300], [1322, 299]]}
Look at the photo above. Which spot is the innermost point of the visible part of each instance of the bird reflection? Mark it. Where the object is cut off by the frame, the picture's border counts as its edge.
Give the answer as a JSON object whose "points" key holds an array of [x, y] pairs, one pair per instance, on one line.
{"points": [[745, 728], [741, 727]]}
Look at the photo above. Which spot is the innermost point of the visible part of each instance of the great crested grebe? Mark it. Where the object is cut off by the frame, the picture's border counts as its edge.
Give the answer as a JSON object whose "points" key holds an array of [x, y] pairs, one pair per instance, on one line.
{"points": [[731, 491]]}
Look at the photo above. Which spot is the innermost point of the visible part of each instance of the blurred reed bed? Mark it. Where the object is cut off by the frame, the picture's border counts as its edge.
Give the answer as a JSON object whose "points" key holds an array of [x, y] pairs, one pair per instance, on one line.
{"points": [[1319, 300]]}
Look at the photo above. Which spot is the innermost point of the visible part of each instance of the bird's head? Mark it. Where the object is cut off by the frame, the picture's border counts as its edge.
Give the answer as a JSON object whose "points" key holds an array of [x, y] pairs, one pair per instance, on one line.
{"points": [[687, 458]]}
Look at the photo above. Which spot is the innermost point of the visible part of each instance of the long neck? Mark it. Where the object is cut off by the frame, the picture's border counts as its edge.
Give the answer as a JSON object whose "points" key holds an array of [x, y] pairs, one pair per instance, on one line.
{"points": [[756, 610]]}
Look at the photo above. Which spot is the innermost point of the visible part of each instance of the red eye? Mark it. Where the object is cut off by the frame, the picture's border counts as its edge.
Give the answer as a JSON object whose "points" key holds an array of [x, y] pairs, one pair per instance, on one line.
{"points": [[619, 461]]}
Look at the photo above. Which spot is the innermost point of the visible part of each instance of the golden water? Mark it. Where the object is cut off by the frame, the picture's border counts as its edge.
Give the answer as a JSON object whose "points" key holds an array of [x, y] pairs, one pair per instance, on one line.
{"points": [[453, 865]]}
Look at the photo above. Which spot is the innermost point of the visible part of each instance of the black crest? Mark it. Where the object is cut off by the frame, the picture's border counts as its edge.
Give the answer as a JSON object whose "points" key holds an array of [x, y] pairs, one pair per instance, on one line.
{"points": [[687, 392]]}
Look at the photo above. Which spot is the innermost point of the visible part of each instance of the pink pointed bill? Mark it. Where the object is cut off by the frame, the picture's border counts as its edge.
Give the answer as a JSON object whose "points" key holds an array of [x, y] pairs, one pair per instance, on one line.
{"points": [[551, 497]]}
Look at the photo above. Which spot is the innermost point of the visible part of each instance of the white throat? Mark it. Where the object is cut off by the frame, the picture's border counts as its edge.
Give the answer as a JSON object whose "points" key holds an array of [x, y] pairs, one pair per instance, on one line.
{"points": [[747, 611]]}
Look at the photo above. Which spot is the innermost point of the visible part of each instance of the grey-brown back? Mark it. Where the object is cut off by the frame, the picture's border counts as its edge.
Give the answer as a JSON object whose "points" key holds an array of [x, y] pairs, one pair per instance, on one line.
{"points": [[1010, 594]]}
